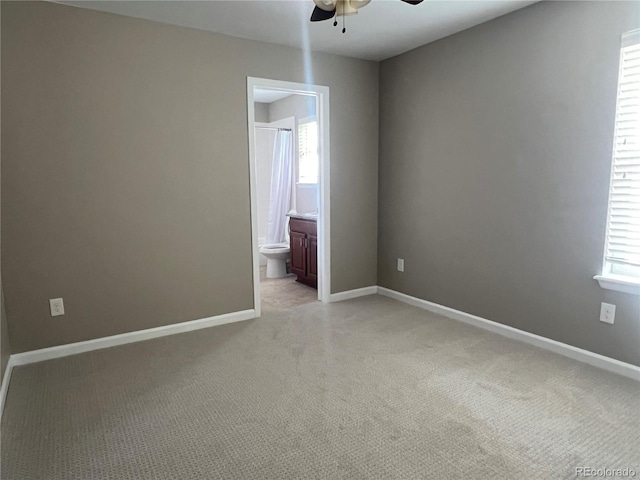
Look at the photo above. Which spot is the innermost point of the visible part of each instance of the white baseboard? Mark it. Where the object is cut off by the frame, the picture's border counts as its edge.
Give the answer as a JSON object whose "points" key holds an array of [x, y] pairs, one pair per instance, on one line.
{"points": [[5, 385], [114, 340], [585, 356], [358, 292], [130, 337]]}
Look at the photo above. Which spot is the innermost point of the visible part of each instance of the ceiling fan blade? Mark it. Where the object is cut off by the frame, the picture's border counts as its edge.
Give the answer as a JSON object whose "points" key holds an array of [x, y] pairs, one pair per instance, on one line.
{"points": [[412, 2], [319, 14]]}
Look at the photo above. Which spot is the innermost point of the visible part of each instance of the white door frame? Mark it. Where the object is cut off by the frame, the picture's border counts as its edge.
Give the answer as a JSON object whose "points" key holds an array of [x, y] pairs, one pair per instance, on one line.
{"points": [[324, 225]]}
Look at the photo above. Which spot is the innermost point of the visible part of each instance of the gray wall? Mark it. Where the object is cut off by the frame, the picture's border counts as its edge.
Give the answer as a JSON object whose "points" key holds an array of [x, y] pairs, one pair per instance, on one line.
{"points": [[299, 106], [261, 112], [4, 340], [5, 348], [125, 183], [495, 150]]}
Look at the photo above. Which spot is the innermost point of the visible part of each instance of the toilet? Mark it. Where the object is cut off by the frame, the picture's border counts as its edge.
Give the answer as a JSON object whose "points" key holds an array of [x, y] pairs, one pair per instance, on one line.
{"points": [[277, 255]]}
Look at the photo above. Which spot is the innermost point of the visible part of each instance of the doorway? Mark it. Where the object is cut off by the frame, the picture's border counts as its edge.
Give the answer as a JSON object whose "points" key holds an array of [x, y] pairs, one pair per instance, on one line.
{"points": [[310, 186]]}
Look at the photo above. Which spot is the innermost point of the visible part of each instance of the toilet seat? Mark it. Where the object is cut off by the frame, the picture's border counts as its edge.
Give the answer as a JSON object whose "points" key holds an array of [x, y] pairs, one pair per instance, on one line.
{"points": [[275, 248]]}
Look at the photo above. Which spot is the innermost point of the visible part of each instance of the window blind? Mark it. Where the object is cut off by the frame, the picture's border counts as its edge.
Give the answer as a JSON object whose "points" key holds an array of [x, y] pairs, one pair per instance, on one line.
{"points": [[304, 138], [308, 152], [623, 229]]}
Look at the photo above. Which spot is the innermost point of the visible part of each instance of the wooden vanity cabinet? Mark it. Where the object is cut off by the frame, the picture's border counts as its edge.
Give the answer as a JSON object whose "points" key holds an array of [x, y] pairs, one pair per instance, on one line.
{"points": [[303, 235]]}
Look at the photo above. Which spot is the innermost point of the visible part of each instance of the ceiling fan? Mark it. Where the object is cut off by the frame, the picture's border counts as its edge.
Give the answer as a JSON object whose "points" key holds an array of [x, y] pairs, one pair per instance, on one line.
{"points": [[327, 9]]}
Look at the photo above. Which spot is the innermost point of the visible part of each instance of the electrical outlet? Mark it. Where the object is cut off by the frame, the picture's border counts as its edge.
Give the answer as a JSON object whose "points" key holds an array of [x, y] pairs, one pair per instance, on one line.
{"points": [[57, 307], [607, 313], [401, 264]]}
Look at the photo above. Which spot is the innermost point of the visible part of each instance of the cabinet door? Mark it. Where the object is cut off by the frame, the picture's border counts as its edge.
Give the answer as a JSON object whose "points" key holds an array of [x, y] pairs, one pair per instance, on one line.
{"points": [[298, 254], [312, 260]]}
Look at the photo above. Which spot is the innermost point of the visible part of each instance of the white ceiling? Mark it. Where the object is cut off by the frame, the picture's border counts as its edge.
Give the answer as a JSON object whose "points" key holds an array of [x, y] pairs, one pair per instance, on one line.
{"points": [[269, 96], [382, 29]]}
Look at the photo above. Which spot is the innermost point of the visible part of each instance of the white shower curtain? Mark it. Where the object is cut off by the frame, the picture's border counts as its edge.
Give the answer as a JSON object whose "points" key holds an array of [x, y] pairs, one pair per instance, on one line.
{"points": [[281, 181]]}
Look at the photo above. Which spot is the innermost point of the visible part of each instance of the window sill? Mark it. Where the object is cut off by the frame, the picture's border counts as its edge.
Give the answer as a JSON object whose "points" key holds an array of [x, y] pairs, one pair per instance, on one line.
{"points": [[619, 283]]}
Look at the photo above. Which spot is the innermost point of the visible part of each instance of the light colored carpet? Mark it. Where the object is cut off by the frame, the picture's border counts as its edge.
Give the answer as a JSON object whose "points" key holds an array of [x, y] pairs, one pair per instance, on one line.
{"points": [[284, 293], [367, 388]]}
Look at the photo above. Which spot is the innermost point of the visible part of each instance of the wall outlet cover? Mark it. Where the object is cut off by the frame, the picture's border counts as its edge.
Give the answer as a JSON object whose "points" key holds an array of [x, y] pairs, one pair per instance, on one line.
{"points": [[57, 306], [401, 264], [607, 313]]}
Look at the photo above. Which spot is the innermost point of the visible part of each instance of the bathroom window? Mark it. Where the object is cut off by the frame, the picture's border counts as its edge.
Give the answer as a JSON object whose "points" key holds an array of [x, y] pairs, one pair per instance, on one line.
{"points": [[621, 269], [308, 153]]}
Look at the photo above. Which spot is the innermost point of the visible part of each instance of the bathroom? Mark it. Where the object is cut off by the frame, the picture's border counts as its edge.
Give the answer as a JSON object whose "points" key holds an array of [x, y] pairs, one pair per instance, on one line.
{"points": [[287, 171]]}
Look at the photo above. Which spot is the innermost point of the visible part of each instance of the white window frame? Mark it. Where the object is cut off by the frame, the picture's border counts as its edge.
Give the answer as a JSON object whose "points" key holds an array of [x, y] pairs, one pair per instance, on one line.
{"points": [[619, 276]]}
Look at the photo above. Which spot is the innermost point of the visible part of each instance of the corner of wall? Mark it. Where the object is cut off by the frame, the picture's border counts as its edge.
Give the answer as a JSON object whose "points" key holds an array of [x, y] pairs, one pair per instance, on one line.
{"points": [[5, 346]]}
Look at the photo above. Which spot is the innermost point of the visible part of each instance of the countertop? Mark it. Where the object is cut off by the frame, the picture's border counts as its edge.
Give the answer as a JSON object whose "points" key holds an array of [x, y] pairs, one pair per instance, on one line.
{"points": [[304, 216]]}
